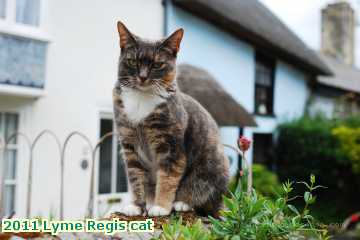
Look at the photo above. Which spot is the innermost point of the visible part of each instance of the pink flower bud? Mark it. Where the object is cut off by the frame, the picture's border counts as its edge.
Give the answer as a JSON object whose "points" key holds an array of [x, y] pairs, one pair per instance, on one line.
{"points": [[244, 143], [354, 218]]}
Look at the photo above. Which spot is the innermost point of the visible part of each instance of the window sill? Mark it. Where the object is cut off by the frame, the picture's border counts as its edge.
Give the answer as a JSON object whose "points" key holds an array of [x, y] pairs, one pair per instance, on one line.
{"points": [[104, 197], [19, 91], [271, 115], [24, 31]]}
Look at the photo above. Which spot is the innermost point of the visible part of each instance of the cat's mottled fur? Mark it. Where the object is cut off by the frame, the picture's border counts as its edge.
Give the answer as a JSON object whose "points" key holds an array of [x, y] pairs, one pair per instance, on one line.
{"points": [[170, 143]]}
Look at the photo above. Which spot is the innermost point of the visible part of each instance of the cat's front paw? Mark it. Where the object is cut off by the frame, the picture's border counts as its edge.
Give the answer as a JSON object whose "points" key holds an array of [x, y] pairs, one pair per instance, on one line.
{"points": [[156, 210], [181, 206], [131, 210]]}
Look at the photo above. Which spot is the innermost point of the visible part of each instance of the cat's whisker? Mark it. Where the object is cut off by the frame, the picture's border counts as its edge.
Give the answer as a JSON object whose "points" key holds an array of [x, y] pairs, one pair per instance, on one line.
{"points": [[161, 92]]}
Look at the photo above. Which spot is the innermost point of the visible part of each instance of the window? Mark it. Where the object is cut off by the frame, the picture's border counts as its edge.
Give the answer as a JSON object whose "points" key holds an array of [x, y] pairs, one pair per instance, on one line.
{"points": [[22, 12], [264, 85], [112, 176], [263, 149], [22, 61], [8, 126], [28, 12], [23, 45], [2, 8]]}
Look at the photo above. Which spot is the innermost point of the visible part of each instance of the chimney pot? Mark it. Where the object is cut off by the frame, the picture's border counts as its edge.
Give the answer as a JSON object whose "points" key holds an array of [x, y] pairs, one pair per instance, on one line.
{"points": [[338, 31]]}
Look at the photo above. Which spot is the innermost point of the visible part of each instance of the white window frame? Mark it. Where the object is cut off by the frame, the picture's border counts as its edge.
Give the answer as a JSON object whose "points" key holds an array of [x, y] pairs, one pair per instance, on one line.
{"points": [[103, 198], [9, 182], [8, 25], [113, 160]]}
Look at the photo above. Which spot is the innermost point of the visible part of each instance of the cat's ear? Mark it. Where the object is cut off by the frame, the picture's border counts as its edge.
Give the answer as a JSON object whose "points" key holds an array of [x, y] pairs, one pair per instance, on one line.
{"points": [[174, 40], [126, 37]]}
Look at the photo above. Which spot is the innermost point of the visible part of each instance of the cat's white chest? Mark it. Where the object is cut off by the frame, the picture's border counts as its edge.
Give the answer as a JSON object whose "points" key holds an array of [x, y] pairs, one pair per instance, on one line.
{"points": [[138, 105]]}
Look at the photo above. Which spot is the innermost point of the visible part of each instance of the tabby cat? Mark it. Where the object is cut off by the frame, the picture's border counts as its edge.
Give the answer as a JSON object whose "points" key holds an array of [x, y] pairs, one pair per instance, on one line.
{"points": [[169, 142]]}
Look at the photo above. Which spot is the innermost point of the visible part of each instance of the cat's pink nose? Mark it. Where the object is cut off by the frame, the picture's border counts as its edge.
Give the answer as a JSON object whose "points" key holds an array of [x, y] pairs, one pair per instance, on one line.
{"points": [[143, 79], [143, 74]]}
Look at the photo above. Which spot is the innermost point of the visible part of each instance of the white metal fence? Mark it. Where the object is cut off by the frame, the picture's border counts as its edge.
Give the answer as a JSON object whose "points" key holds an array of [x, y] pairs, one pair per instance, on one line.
{"points": [[62, 147]]}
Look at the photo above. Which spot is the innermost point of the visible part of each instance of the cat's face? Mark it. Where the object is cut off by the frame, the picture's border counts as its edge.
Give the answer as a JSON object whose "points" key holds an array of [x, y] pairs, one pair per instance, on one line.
{"points": [[148, 65]]}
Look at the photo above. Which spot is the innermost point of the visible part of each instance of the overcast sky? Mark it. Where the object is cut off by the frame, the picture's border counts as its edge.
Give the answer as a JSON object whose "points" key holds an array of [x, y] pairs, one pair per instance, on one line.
{"points": [[304, 17]]}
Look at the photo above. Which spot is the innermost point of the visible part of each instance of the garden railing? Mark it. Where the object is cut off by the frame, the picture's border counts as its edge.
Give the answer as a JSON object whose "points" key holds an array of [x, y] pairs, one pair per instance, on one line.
{"points": [[31, 144]]}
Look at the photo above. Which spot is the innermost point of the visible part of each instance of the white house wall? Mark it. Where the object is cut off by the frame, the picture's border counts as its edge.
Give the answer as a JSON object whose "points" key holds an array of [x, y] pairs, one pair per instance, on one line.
{"points": [[81, 70], [291, 92], [323, 105]]}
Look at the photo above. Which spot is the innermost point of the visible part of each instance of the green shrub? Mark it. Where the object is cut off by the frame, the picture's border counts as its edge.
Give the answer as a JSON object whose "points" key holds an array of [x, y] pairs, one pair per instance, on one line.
{"points": [[352, 121], [307, 146], [265, 182], [310, 145], [249, 216], [349, 139], [176, 230]]}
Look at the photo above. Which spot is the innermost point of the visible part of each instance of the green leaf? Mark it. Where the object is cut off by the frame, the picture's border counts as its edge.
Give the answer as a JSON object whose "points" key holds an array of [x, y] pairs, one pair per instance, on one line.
{"points": [[235, 238], [238, 187], [293, 209], [229, 204], [312, 178], [307, 197], [312, 200]]}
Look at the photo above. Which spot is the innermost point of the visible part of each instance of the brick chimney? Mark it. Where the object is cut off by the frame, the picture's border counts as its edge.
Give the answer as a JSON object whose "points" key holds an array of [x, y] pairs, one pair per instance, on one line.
{"points": [[338, 31]]}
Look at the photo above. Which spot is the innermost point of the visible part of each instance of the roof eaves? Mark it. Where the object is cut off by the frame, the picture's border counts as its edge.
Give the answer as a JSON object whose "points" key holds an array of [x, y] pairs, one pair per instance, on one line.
{"points": [[240, 31]]}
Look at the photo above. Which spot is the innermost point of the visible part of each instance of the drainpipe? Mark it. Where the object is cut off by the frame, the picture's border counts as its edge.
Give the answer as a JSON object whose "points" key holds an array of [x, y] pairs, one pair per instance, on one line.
{"points": [[165, 4], [310, 99]]}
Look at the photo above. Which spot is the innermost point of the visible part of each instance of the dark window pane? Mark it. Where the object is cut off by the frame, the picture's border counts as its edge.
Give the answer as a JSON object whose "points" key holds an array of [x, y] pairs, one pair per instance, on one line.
{"points": [[121, 181], [264, 85], [264, 79], [262, 153], [2, 128], [10, 164], [9, 199], [105, 158], [261, 100], [11, 126]]}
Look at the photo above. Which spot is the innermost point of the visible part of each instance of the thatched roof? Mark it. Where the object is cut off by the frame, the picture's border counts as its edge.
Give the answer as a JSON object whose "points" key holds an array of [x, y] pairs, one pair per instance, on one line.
{"points": [[346, 78], [200, 85], [251, 21]]}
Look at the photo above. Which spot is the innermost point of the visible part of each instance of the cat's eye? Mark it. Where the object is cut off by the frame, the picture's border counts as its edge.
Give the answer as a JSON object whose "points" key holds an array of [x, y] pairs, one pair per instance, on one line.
{"points": [[131, 62], [158, 65]]}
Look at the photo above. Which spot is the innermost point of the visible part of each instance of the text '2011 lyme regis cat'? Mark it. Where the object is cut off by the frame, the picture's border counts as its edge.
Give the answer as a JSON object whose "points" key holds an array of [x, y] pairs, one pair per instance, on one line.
{"points": [[170, 143]]}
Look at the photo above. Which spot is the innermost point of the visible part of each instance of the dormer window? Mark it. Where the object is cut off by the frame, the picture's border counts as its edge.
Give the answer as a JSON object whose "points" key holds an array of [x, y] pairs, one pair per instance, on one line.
{"points": [[264, 85]]}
